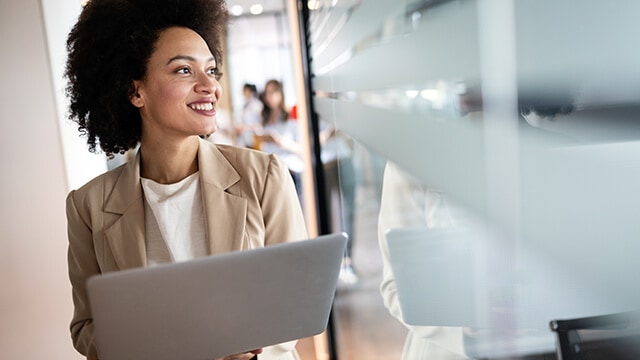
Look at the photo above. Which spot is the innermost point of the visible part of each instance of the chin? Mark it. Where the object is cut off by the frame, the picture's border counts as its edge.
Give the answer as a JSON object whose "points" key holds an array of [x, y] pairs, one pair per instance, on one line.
{"points": [[208, 130]]}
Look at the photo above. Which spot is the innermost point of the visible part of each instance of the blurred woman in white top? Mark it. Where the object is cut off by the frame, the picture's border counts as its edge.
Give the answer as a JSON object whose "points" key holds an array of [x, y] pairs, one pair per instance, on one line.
{"points": [[280, 133]]}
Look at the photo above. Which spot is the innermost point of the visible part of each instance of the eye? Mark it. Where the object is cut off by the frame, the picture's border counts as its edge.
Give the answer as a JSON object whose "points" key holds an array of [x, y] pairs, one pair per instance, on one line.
{"points": [[183, 70], [215, 72]]}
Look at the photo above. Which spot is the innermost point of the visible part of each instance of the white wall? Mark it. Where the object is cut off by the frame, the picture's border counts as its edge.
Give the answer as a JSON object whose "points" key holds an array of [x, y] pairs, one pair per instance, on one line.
{"points": [[81, 165], [258, 50], [35, 300]]}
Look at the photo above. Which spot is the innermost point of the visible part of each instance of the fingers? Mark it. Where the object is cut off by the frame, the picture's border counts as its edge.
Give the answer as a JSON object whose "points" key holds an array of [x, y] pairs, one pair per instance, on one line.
{"points": [[244, 356]]}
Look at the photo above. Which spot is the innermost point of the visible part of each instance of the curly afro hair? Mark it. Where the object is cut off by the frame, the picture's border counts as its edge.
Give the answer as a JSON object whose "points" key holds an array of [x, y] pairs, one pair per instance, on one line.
{"points": [[109, 47]]}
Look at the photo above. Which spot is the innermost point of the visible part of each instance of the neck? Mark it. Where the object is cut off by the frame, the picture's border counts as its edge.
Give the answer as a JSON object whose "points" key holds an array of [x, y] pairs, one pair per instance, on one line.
{"points": [[275, 116], [168, 163]]}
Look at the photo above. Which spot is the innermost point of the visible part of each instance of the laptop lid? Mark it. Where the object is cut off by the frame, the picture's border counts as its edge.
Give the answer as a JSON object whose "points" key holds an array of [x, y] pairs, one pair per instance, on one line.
{"points": [[217, 305]]}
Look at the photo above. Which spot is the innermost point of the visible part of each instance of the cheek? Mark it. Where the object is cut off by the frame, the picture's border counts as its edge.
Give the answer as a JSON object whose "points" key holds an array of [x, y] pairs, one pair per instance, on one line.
{"points": [[171, 93], [163, 99], [162, 92]]}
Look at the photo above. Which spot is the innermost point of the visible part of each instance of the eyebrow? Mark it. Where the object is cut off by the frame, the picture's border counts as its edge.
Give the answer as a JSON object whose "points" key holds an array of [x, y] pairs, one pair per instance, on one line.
{"points": [[188, 58]]}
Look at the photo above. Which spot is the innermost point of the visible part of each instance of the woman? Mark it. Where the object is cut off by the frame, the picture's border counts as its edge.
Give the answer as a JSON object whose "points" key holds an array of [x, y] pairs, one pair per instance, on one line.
{"points": [[281, 135], [144, 73], [250, 119]]}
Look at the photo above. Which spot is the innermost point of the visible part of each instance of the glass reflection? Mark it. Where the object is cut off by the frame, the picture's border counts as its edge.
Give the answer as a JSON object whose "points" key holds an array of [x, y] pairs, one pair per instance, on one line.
{"points": [[548, 225], [442, 97]]}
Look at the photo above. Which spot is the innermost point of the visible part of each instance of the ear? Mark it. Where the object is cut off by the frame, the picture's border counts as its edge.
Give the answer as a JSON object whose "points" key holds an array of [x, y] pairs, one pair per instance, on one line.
{"points": [[134, 96]]}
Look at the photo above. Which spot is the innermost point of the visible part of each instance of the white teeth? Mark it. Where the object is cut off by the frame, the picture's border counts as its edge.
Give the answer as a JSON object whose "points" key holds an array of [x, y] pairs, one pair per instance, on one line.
{"points": [[202, 106]]}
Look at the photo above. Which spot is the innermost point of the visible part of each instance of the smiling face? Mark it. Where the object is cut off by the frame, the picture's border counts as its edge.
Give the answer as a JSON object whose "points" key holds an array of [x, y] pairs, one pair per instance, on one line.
{"points": [[274, 97], [179, 94]]}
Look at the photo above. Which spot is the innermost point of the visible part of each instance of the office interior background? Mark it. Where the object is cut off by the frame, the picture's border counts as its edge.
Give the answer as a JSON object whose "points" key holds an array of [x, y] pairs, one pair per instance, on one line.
{"points": [[524, 112]]}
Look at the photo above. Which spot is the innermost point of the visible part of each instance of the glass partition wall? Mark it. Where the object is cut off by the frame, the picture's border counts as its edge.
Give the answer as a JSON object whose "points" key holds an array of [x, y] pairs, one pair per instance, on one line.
{"points": [[481, 155], [487, 165]]}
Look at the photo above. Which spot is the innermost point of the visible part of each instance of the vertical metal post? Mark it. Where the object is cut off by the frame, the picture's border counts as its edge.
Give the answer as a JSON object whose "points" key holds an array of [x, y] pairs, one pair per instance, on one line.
{"points": [[306, 111], [324, 226]]}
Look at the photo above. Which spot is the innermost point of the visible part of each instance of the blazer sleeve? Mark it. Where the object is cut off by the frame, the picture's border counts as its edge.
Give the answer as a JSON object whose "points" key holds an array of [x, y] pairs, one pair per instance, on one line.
{"points": [[284, 222], [282, 213], [82, 264]]}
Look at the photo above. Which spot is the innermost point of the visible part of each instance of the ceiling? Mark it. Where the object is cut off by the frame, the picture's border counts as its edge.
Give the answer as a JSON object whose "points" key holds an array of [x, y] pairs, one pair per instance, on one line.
{"points": [[268, 5]]}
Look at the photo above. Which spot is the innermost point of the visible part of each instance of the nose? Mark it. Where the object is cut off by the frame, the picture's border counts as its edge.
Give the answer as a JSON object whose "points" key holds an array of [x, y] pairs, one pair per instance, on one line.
{"points": [[207, 84]]}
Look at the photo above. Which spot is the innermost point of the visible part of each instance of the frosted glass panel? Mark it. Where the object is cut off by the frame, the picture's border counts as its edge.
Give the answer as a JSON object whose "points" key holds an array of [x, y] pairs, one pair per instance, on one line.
{"points": [[405, 50], [441, 151], [584, 48], [519, 119], [352, 25]]}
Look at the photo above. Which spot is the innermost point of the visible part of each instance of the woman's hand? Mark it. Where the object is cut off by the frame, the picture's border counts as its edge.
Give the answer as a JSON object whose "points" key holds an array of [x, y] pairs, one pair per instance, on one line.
{"points": [[244, 356]]}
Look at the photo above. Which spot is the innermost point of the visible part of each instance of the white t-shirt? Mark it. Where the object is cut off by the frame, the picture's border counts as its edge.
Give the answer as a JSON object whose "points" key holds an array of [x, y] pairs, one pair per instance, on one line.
{"points": [[174, 220]]}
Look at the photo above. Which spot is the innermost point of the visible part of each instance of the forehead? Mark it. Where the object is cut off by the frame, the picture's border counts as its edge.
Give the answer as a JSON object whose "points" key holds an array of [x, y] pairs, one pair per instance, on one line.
{"points": [[272, 88], [176, 41]]}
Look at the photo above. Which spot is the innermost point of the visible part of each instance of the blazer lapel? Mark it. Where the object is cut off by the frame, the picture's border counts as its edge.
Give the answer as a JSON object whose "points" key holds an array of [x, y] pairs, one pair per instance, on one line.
{"points": [[225, 213], [126, 234]]}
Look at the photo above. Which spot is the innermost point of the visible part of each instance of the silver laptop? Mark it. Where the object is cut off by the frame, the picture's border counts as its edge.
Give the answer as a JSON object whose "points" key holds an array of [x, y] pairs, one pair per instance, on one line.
{"points": [[217, 305]]}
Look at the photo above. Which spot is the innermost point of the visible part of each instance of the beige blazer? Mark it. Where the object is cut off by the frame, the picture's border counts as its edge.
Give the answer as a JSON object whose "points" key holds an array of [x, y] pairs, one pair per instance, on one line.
{"points": [[249, 202]]}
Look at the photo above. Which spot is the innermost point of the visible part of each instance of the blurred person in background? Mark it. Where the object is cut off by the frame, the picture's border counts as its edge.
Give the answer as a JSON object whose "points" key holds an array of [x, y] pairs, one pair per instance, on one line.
{"points": [[250, 121], [280, 134]]}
